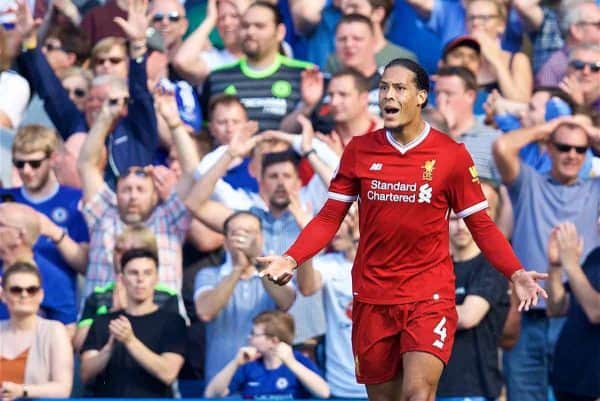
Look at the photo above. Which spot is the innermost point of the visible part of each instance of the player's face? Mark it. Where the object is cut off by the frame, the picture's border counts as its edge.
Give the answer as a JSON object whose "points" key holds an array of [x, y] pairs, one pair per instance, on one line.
{"points": [[460, 236], [354, 44], [228, 23], [25, 302], [136, 198], [345, 100], [35, 171], [278, 184], [225, 121], [139, 277], [259, 33], [566, 161], [173, 24], [463, 56], [399, 99], [536, 111]]}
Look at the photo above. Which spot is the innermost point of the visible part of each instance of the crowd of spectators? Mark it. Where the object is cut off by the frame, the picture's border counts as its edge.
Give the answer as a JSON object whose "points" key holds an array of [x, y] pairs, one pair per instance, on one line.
{"points": [[151, 150]]}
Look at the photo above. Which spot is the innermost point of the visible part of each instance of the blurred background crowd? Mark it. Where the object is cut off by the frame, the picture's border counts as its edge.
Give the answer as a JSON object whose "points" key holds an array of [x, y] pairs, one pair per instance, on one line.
{"points": [[151, 150]]}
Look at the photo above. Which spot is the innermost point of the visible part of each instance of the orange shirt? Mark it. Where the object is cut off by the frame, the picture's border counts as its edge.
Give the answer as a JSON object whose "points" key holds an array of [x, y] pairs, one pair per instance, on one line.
{"points": [[13, 370]]}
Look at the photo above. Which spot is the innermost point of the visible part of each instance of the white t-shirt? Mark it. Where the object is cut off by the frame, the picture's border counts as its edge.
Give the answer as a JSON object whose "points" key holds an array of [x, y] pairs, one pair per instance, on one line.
{"points": [[215, 58], [337, 300], [14, 96]]}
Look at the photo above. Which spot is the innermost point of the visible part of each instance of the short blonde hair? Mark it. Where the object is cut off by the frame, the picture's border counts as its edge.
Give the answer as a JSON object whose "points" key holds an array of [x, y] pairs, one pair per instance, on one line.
{"points": [[78, 72], [138, 236], [35, 138]]}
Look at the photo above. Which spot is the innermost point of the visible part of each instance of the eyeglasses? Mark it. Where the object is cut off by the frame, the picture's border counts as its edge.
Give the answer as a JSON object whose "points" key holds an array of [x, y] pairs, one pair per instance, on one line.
{"points": [[18, 290], [254, 334], [173, 16], [116, 101], [482, 17], [112, 60], [579, 65], [51, 47], [77, 92], [564, 148], [34, 164]]}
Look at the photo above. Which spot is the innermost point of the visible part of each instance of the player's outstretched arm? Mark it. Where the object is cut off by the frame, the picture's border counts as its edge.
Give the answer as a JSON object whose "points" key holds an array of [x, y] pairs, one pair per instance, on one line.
{"points": [[527, 288], [498, 251], [311, 240]]}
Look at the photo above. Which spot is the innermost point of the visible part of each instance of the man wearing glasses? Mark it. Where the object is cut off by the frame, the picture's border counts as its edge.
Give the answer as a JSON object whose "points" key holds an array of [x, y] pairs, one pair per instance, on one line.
{"points": [[64, 238], [582, 25], [541, 201], [582, 81]]}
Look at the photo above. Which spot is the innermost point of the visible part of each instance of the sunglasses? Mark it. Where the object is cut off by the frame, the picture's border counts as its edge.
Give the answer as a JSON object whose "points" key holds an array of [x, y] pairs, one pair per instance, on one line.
{"points": [[34, 164], [116, 101], [564, 148], [579, 65], [51, 47], [17, 290], [78, 92], [173, 16], [112, 60]]}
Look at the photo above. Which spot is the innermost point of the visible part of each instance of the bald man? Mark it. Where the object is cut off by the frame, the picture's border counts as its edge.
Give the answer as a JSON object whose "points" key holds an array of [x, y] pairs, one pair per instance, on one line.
{"points": [[19, 230]]}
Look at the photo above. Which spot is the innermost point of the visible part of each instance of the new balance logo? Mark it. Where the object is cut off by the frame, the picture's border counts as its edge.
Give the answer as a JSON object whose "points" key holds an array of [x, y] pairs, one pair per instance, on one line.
{"points": [[376, 167], [425, 193]]}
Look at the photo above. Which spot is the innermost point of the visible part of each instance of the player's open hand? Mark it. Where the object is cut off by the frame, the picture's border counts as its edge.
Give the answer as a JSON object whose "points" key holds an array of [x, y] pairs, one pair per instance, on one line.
{"points": [[527, 288], [280, 269]]}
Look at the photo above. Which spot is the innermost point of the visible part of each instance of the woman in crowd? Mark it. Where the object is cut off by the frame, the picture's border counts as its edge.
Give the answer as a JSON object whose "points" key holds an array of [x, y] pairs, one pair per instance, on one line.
{"points": [[35, 354]]}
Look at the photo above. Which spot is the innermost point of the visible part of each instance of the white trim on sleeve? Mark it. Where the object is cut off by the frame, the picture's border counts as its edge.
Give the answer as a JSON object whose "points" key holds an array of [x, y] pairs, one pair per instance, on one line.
{"points": [[472, 209], [341, 197]]}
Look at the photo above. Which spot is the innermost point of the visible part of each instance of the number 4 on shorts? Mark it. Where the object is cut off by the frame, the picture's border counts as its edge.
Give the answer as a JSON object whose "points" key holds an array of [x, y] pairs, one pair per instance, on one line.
{"points": [[440, 330]]}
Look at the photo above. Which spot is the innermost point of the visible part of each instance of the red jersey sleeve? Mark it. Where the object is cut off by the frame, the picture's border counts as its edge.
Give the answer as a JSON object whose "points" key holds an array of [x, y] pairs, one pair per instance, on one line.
{"points": [[466, 196], [345, 186]]}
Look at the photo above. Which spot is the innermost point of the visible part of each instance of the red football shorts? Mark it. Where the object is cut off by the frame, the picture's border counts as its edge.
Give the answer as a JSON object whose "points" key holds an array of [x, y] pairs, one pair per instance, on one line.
{"points": [[382, 333]]}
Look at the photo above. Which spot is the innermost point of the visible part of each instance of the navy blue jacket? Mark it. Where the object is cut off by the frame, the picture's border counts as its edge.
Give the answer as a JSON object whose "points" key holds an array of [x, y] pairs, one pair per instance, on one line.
{"points": [[134, 140]]}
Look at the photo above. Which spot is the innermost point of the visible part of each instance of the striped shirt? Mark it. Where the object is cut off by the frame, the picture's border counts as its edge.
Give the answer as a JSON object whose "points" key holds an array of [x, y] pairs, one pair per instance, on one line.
{"points": [[169, 222], [268, 95]]}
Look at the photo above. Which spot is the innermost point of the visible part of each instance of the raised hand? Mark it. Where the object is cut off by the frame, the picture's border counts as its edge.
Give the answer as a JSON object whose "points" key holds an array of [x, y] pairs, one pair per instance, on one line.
{"points": [[25, 25], [527, 288], [137, 22], [166, 105], [333, 140], [164, 180], [312, 86], [285, 353], [571, 85], [243, 142], [308, 133]]}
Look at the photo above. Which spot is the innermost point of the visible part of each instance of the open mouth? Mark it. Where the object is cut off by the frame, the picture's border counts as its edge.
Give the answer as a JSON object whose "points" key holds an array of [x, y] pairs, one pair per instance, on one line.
{"points": [[390, 110]]}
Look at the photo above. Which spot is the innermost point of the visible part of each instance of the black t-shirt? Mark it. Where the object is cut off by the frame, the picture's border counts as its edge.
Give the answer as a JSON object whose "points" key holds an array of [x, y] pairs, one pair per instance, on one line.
{"points": [[577, 355], [124, 377], [473, 367]]}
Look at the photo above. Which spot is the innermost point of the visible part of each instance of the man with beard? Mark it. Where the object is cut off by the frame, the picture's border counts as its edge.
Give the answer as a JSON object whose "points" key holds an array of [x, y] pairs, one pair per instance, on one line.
{"points": [[267, 83]]}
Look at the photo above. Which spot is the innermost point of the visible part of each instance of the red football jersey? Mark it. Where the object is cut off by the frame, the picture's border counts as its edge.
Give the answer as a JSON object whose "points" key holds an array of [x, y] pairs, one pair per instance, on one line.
{"points": [[405, 193]]}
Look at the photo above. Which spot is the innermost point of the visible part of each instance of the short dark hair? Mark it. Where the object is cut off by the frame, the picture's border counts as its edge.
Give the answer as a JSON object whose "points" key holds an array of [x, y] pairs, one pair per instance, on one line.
{"points": [[72, 40], [272, 158], [465, 75], [361, 83], [421, 79], [21, 266], [136, 253], [277, 17], [238, 213], [555, 91], [225, 100], [350, 18]]}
